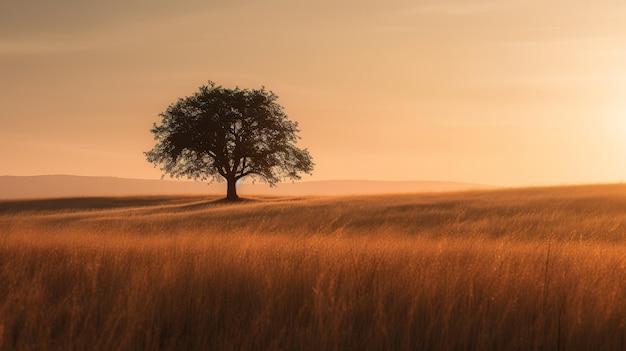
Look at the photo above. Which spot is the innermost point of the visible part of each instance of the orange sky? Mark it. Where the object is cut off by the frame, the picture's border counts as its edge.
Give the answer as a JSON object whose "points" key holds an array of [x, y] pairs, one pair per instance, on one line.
{"points": [[510, 92]]}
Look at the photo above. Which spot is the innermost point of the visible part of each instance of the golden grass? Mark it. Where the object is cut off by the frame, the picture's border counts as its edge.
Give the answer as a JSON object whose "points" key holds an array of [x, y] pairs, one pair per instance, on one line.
{"points": [[537, 268]]}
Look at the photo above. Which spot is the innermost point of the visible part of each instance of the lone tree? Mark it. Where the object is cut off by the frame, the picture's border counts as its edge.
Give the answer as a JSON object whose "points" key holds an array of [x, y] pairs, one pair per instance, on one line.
{"points": [[228, 134]]}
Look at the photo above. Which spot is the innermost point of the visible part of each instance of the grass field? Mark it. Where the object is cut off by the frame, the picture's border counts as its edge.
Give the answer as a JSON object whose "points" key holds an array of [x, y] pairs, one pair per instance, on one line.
{"points": [[541, 269]]}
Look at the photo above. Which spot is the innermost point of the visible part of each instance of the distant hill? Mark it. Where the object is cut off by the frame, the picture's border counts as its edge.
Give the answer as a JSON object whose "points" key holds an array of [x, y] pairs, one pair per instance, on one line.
{"points": [[49, 186]]}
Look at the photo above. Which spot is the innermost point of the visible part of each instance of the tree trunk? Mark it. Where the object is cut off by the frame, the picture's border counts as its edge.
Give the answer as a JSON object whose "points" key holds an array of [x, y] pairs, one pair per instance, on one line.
{"points": [[231, 193]]}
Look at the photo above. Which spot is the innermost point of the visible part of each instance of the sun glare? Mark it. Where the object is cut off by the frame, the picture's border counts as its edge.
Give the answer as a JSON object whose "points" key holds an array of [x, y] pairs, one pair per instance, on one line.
{"points": [[612, 139], [616, 124]]}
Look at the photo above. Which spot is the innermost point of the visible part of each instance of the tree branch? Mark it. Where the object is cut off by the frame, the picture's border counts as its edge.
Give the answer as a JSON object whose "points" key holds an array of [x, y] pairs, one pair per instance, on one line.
{"points": [[245, 174]]}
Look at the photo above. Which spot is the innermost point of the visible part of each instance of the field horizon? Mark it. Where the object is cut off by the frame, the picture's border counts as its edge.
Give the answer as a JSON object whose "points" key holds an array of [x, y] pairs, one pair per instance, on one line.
{"points": [[529, 268], [60, 186]]}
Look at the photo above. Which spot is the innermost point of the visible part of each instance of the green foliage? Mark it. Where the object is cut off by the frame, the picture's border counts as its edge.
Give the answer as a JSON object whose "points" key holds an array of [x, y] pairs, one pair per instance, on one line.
{"points": [[229, 134]]}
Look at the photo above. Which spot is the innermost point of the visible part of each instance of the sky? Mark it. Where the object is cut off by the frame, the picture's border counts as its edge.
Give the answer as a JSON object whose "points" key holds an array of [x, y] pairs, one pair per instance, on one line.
{"points": [[507, 93]]}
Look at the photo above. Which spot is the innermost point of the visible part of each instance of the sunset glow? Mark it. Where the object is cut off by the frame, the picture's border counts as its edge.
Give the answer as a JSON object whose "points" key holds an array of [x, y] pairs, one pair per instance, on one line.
{"points": [[504, 93]]}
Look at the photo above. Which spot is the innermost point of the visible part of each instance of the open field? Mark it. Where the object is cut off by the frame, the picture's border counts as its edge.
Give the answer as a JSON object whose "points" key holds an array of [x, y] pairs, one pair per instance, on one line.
{"points": [[514, 269]]}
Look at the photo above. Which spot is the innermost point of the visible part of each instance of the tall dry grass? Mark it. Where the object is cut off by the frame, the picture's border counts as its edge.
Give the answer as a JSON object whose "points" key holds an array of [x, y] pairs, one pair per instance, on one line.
{"points": [[512, 269]]}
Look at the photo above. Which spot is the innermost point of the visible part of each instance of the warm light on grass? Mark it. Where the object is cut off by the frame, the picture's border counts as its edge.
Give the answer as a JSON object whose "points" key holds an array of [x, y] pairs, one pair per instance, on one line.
{"points": [[515, 269]]}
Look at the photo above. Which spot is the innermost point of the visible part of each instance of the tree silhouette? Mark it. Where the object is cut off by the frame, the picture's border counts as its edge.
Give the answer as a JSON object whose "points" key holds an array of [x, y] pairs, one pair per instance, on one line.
{"points": [[228, 134]]}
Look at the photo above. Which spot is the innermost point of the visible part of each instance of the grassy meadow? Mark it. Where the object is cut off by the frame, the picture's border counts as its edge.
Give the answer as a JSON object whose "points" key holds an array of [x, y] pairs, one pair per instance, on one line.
{"points": [[515, 269]]}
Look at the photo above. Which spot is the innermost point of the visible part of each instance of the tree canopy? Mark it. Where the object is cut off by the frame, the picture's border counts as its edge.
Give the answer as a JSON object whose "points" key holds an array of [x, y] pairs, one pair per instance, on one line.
{"points": [[228, 134]]}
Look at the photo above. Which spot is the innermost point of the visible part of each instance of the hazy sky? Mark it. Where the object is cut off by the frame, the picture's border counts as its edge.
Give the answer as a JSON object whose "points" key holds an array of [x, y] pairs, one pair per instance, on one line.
{"points": [[510, 92]]}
